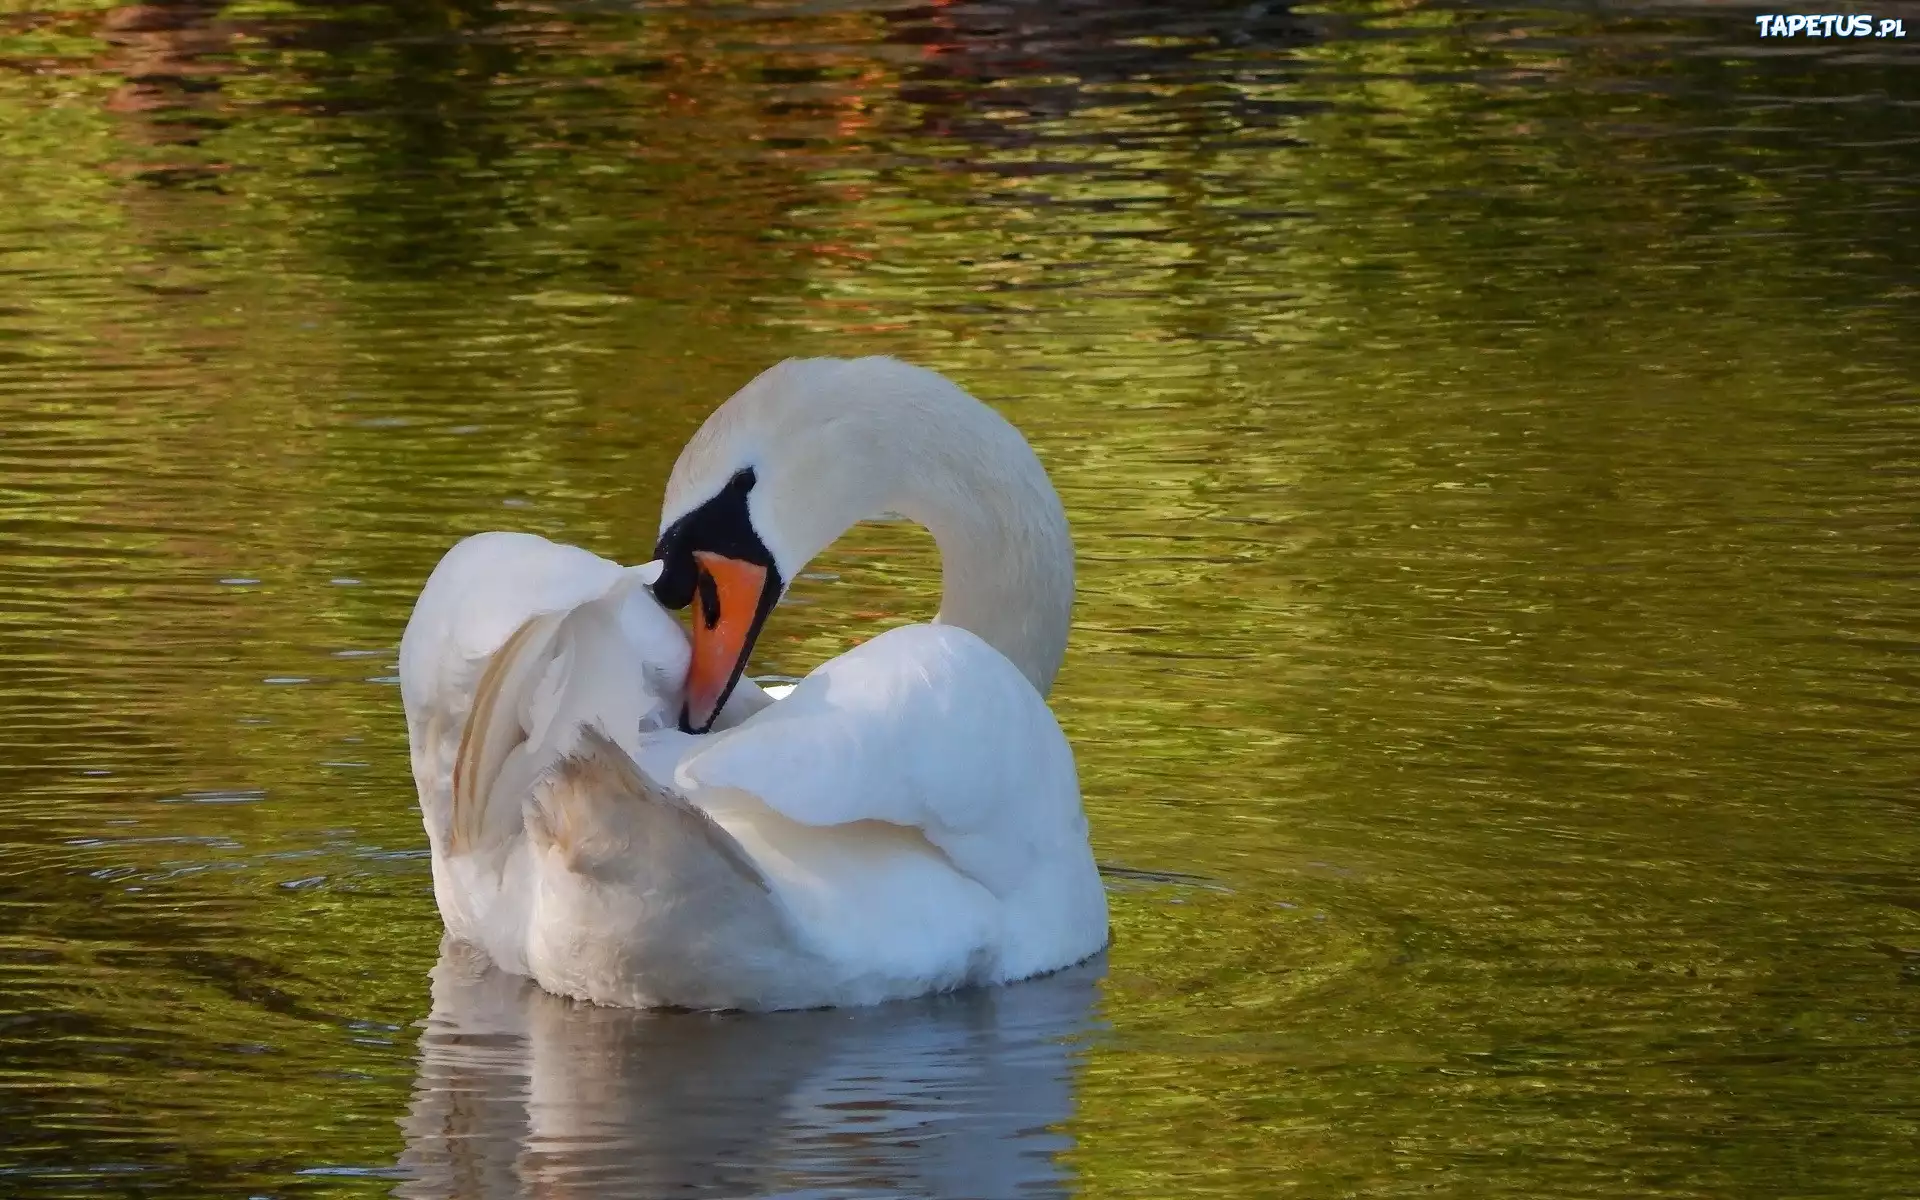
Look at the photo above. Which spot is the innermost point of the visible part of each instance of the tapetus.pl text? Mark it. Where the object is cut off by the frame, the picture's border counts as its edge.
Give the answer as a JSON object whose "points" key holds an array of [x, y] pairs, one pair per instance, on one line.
{"points": [[1828, 25]]}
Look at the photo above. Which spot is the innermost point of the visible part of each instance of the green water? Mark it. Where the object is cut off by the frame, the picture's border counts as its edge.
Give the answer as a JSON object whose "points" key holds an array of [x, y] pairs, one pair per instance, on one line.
{"points": [[1493, 446]]}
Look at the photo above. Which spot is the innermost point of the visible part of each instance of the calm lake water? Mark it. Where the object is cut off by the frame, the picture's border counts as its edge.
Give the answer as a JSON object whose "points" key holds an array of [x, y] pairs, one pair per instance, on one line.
{"points": [[1493, 445]]}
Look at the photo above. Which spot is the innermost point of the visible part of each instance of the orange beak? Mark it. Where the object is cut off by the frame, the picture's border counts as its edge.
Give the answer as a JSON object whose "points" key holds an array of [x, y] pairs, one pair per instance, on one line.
{"points": [[729, 603]]}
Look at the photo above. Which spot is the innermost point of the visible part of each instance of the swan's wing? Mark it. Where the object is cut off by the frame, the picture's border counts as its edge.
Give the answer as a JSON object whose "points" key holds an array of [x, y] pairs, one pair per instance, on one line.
{"points": [[514, 641], [926, 727], [558, 673]]}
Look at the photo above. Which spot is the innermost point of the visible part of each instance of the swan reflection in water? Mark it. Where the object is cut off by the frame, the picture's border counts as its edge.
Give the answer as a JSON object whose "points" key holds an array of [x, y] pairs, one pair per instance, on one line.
{"points": [[522, 1093]]}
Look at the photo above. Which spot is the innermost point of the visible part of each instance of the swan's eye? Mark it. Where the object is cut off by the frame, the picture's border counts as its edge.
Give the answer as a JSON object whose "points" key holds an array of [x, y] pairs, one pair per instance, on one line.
{"points": [[708, 594]]}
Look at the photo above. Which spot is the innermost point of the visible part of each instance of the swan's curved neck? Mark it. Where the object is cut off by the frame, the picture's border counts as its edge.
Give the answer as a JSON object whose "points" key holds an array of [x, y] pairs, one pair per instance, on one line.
{"points": [[820, 444], [1006, 556], [896, 438]]}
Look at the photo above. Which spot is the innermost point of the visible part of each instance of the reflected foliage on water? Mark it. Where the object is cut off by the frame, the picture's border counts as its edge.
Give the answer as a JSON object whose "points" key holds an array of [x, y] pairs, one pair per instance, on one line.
{"points": [[1490, 439]]}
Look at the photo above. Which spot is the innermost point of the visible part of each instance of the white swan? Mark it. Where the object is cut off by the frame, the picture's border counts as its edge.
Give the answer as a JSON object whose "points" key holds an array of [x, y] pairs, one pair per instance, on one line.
{"points": [[907, 820]]}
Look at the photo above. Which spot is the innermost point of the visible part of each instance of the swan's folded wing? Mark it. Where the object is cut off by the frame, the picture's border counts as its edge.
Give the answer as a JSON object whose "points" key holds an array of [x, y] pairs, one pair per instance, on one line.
{"points": [[513, 640], [481, 591], [926, 727]]}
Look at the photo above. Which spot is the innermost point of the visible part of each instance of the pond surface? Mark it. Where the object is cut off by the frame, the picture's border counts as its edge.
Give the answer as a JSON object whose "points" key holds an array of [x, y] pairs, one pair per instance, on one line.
{"points": [[1493, 445]]}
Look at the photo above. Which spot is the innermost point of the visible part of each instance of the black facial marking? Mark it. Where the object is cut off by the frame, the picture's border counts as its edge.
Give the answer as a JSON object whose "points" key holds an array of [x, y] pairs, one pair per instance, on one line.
{"points": [[720, 525], [709, 598]]}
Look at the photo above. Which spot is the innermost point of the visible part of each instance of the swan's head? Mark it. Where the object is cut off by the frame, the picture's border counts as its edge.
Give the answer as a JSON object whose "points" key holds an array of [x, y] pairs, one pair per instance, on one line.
{"points": [[778, 472]]}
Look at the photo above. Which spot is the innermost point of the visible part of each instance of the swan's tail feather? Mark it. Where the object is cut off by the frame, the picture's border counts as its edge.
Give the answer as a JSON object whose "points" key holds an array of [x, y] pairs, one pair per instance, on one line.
{"points": [[603, 812], [643, 900]]}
